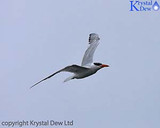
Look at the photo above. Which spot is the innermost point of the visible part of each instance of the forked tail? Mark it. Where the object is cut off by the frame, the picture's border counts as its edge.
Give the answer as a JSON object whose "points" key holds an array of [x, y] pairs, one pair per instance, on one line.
{"points": [[69, 78]]}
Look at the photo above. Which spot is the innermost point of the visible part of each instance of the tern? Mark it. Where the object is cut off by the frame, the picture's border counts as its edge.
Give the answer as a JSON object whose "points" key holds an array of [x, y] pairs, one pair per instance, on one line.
{"points": [[87, 67]]}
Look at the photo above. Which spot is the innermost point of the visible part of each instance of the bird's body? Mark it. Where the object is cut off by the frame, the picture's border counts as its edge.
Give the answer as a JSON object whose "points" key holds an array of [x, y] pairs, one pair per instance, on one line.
{"points": [[87, 72], [87, 67]]}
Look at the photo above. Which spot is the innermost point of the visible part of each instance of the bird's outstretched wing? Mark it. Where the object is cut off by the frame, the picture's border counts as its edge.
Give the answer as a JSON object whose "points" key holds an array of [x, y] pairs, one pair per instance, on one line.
{"points": [[73, 69], [93, 43]]}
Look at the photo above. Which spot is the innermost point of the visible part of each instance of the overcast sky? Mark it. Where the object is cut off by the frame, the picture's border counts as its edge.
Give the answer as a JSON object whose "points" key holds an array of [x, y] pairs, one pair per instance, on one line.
{"points": [[39, 37]]}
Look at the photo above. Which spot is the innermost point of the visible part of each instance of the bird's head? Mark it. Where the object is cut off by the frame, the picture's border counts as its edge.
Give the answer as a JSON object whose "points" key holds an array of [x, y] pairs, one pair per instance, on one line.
{"points": [[101, 65]]}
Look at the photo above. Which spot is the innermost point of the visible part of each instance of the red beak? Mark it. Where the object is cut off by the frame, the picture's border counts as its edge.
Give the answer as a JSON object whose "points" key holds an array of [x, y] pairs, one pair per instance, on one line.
{"points": [[104, 65]]}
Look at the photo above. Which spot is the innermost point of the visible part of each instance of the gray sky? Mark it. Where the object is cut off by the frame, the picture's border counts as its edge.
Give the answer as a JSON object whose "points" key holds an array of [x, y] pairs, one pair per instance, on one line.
{"points": [[39, 37]]}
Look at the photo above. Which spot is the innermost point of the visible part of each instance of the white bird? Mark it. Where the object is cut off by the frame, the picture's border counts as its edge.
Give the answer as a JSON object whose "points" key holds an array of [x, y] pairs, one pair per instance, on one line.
{"points": [[87, 67]]}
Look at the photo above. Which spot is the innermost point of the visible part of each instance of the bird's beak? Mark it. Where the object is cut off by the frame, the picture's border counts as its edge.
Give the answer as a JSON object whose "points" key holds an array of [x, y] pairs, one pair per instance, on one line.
{"points": [[104, 65]]}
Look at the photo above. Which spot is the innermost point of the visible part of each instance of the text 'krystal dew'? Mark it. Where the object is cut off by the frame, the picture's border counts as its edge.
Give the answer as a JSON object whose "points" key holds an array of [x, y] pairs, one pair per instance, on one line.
{"points": [[36, 123]]}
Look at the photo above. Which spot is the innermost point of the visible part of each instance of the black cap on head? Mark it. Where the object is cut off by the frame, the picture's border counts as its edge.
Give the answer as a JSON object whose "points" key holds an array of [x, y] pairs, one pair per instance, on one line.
{"points": [[97, 64]]}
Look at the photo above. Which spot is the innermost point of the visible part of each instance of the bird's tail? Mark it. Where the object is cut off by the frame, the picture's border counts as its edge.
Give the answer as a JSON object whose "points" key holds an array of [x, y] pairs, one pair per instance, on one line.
{"points": [[69, 78]]}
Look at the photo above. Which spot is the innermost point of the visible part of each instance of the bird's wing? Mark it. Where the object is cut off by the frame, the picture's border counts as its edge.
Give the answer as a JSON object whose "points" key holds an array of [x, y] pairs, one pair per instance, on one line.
{"points": [[93, 43], [73, 69]]}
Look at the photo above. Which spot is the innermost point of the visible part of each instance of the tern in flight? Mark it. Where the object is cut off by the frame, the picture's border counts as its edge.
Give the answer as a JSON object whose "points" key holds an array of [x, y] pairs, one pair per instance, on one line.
{"points": [[87, 67]]}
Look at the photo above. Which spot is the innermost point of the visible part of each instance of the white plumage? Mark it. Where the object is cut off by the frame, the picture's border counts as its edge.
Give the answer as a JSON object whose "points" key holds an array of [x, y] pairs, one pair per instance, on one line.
{"points": [[88, 56]]}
